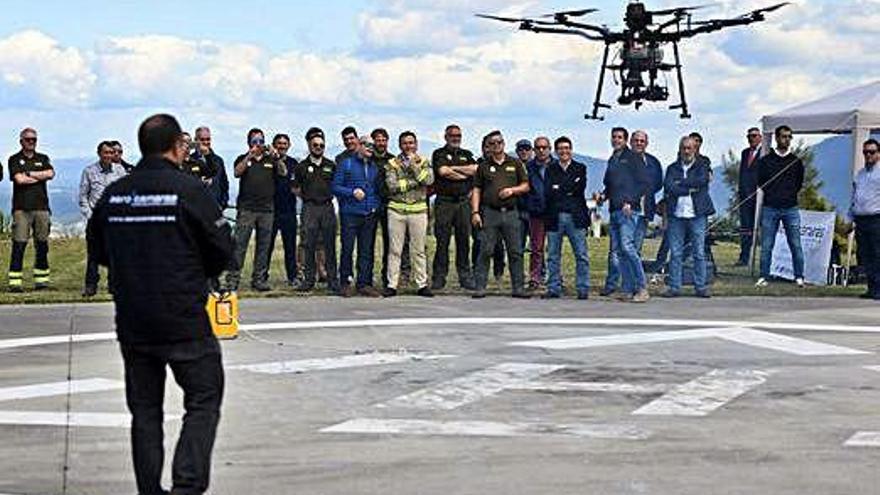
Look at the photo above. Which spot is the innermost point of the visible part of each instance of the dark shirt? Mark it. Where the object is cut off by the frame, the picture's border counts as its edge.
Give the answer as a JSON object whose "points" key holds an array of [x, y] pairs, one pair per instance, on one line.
{"points": [[256, 189], [448, 157], [29, 197], [219, 187], [782, 178], [285, 200], [626, 180], [315, 181], [492, 177], [655, 175], [565, 191], [381, 161]]}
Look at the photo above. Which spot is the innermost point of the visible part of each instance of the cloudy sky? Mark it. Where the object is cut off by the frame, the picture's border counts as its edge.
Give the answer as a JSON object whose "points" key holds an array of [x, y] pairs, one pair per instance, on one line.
{"points": [[89, 70]]}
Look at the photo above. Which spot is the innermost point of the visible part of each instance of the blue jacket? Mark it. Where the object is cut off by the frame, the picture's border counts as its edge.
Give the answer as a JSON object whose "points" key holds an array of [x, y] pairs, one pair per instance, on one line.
{"points": [[355, 173], [655, 173], [536, 201], [626, 180], [566, 192], [695, 185], [285, 200]]}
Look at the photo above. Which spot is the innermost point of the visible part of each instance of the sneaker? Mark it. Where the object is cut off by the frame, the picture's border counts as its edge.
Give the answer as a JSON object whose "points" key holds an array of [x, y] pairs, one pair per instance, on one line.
{"points": [[583, 296], [761, 283], [670, 294], [425, 292], [389, 292], [90, 291], [479, 294], [347, 291], [624, 297], [800, 282], [369, 291], [641, 296], [607, 291], [550, 295], [261, 287], [704, 294]]}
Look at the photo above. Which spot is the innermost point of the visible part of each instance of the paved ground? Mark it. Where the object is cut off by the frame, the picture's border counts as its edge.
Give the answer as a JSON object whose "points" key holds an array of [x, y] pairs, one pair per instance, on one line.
{"points": [[726, 396]]}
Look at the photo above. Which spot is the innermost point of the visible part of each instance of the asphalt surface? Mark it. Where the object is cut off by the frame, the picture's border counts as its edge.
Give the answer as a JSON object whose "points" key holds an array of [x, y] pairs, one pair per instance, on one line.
{"points": [[721, 396]]}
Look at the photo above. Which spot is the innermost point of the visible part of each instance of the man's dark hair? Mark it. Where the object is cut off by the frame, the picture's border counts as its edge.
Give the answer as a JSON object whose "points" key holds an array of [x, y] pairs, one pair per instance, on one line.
{"points": [[280, 136], [872, 141], [696, 135], [751, 129], [621, 129], [314, 132], [348, 131], [562, 140], [253, 132], [379, 132], [492, 134], [114, 143], [451, 127], [779, 130], [102, 144], [406, 134], [158, 134]]}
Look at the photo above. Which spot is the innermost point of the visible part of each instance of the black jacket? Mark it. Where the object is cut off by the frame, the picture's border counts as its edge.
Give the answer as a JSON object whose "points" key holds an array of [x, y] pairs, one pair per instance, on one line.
{"points": [[564, 192], [782, 178], [695, 185], [748, 175], [162, 236], [626, 180]]}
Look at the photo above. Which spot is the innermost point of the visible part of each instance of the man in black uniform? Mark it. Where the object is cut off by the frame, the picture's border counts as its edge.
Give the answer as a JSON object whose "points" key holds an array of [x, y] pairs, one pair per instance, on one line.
{"points": [[285, 209], [162, 236], [498, 182], [29, 171], [454, 169], [313, 182], [256, 171]]}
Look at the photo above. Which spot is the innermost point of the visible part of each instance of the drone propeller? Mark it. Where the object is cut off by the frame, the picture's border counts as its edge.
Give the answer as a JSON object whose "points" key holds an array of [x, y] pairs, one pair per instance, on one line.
{"points": [[759, 14], [571, 13], [682, 10], [515, 20], [770, 8]]}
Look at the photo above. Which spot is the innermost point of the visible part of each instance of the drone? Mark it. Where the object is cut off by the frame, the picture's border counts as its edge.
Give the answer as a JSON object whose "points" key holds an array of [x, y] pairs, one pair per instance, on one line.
{"points": [[641, 53]]}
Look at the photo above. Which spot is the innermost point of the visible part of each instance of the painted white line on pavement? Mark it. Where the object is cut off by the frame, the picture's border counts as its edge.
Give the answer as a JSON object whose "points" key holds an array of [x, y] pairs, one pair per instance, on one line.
{"points": [[872, 368], [705, 394], [473, 387], [341, 362], [864, 439], [485, 429], [46, 418], [612, 387], [59, 388], [747, 336], [454, 321]]}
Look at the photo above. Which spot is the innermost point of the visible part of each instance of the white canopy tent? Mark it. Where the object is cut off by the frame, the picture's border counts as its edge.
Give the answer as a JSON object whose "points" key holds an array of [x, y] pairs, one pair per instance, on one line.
{"points": [[854, 111]]}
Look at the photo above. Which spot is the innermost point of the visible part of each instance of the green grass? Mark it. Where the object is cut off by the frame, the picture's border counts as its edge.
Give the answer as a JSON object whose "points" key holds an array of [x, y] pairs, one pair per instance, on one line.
{"points": [[67, 260]]}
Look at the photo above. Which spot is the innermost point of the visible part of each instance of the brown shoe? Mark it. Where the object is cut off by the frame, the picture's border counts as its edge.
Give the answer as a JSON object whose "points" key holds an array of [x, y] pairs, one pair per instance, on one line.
{"points": [[641, 296], [347, 291], [369, 291]]}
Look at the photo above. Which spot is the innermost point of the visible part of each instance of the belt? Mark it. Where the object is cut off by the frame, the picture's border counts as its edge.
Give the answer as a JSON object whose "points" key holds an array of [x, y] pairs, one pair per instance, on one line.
{"points": [[318, 203], [452, 199], [502, 209]]}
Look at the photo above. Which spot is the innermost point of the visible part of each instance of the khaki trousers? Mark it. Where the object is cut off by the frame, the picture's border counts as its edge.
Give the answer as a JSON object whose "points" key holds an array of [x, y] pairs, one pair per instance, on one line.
{"points": [[416, 225]]}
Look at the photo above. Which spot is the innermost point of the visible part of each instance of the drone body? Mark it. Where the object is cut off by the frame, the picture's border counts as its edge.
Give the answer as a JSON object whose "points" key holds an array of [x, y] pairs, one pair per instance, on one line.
{"points": [[641, 60]]}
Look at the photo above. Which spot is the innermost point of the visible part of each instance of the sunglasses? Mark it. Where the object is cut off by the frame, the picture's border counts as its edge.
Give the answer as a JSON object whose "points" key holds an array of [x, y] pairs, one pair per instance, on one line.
{"points": [[452, 136], [29, 139], [495, 142], [542, 147], [753, 135], [870, 152], [317, 145], [255, 142]]}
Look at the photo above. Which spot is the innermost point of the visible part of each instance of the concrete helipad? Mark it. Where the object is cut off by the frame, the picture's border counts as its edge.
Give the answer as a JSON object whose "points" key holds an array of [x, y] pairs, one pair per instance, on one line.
{"points": [[452, 396]]}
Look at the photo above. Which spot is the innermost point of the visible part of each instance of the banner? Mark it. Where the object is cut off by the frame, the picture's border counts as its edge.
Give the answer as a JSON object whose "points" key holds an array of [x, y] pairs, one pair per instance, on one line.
{"points": [[817, 236]]}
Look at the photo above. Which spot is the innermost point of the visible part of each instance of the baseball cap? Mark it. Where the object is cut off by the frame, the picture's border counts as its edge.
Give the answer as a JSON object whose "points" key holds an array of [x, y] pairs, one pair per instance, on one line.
{"points": [[523, 144]]}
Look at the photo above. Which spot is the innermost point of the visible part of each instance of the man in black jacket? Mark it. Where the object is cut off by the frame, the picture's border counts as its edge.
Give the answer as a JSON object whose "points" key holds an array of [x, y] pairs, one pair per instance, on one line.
{"points": [[781, 175], [162, 236], [747, 193]]}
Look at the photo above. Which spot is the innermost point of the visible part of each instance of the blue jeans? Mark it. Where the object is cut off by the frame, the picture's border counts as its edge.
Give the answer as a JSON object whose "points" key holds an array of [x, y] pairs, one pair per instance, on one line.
{"points": [[286, 225], [679, 230], [791, 222], [578, 240], [614, 269], [360, 229]]}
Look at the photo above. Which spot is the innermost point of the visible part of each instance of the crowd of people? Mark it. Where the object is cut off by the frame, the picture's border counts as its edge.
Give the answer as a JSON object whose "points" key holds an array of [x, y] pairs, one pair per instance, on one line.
{"points": [[497, 205]]}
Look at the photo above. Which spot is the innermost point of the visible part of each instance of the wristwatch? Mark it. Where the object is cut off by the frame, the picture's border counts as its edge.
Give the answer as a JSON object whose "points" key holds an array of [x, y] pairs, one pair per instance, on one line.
{"points": [[27, 173]]}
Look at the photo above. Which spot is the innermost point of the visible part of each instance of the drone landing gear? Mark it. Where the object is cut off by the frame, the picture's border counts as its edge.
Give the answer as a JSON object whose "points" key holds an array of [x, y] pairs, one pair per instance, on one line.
{"points": [[597, 104], [683, 105]]}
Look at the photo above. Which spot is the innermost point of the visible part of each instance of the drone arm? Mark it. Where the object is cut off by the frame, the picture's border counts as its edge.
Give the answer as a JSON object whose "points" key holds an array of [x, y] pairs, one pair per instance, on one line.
{"points": [[537, 29], [712, 26]]}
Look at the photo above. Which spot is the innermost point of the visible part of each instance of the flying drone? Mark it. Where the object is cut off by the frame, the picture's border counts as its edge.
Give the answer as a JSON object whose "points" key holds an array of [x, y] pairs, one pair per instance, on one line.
{"points": [[641, 53]]}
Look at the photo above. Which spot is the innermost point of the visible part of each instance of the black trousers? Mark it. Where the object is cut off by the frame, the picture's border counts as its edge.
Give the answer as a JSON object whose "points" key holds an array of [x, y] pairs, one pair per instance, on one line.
{"points": [[198, 370], [868, 240], [319, 225], [498, 225], [286, 225], [452, 216], [746, 229]]}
